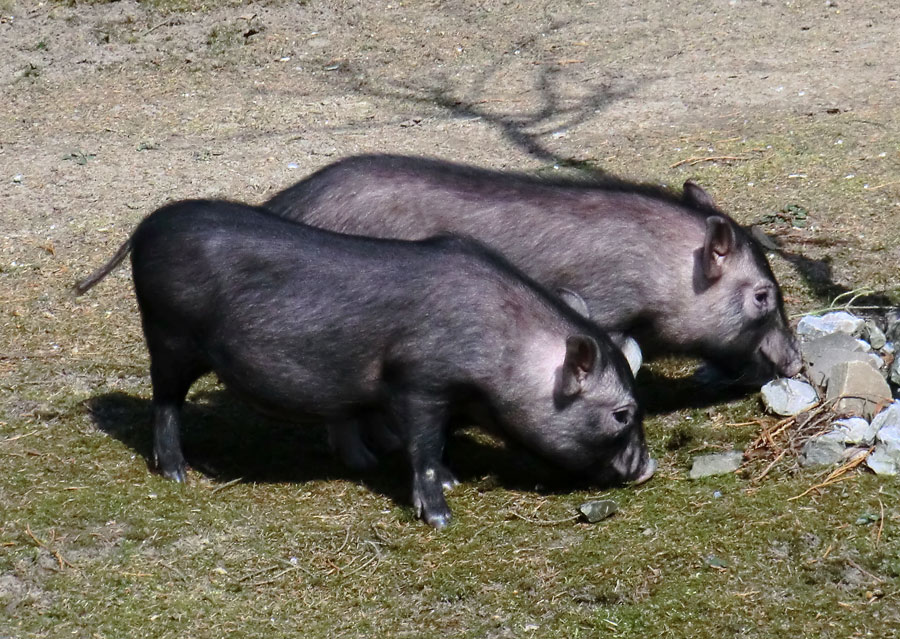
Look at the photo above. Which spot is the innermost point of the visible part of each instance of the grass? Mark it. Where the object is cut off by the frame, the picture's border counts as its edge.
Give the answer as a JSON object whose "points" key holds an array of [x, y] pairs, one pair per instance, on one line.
{"points": [[271, 538]]}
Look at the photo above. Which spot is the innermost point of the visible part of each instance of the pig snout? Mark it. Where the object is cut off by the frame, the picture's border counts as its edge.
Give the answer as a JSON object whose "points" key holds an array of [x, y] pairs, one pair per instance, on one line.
{"points": [[781, 348], [632, 464], [649, 470]]}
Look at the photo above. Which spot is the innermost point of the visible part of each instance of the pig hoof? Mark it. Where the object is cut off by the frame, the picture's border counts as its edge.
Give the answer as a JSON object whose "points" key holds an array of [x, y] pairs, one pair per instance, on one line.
{"points": [[438, 520], [447, 479], [178, 474]]}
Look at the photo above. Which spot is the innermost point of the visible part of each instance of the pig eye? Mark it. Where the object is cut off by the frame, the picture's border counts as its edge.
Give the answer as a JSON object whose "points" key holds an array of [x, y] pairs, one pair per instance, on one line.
{"points": [[624, 415], [761, 298]]}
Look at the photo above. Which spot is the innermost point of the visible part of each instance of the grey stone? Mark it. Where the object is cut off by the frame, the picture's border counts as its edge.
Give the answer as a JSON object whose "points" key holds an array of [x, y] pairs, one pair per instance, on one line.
{"points": [[840, 341], [885, 459], [856, 431], [823, 450], [716, 464], [822, 353], [632, 352], [894, 373], [594, 511], [892, 324], [788, 396], [873, 334], [858, 389], [837, 322], [890, 416]]}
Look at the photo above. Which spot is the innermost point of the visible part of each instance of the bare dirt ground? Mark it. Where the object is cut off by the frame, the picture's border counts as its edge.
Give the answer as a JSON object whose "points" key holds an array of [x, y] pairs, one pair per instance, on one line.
{"points": [[109, 110]]}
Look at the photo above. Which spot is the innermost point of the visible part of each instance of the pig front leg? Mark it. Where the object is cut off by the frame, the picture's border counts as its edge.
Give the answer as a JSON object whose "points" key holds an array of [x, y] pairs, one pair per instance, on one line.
{"points": [[422, 421]]}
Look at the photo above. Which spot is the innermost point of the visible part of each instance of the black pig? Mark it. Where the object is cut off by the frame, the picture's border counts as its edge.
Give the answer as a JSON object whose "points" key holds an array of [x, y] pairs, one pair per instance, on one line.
{"points": [[307, 323], [674, 272]]}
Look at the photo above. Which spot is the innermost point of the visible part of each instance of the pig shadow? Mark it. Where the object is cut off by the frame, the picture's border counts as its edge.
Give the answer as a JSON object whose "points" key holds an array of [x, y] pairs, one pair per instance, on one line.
{"points": [[818, 274], [659, 394], [227, 440]]}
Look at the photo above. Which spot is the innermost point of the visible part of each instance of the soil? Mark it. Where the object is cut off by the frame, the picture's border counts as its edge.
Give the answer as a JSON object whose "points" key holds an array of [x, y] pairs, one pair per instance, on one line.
{"points": [[786, 111]]}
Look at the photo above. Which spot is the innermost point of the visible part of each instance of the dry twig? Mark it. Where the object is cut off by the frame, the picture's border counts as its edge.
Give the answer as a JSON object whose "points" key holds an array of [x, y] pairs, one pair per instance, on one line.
{"points": [[59, 558], [544, 522], [711, 158]]}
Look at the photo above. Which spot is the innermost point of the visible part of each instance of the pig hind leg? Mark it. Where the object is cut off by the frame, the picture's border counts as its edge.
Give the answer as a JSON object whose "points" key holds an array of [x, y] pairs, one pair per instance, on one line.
{"points": [[174, 366], [359, 442], [422, 422]]}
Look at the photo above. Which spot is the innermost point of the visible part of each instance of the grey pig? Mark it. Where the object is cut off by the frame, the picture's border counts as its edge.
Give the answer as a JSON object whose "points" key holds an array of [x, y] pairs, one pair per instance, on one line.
{"points": [[673, 272], [305, 323]]}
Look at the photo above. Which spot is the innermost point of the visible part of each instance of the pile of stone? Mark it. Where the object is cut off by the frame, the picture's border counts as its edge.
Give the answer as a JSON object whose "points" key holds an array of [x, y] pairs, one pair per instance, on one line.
{"points": [[852, 368]]}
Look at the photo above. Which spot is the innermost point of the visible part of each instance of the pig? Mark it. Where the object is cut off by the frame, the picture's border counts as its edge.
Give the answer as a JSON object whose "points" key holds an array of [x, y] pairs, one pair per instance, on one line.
{"points": [[673, 272], [314, 326]]}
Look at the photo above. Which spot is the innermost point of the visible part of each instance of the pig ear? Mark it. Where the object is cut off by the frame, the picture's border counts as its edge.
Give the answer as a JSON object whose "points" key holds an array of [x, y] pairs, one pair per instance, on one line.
{"points": [[718, 244], [574, 301], [582, 353], [694, 194]]}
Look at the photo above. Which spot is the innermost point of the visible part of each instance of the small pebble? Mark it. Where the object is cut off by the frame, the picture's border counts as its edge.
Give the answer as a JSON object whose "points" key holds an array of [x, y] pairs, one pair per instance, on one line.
{"points": [[595, 511]]}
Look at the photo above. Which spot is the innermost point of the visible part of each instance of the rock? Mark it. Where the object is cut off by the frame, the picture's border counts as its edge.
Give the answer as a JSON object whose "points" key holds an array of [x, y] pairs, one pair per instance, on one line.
{"points": [[823, 450], [716, 464], [856, 431], [894, 372], [840, 341], [892, 325], [885, 459], [890, 416], [873, 334], [632, 352], [822, 353], [838, 322], [594, 511], [858, 389], [788, 396]]}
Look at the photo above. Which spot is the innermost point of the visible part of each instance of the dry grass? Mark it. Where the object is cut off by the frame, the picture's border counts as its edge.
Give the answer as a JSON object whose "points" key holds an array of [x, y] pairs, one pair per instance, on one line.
{"points": [[271, 538]]}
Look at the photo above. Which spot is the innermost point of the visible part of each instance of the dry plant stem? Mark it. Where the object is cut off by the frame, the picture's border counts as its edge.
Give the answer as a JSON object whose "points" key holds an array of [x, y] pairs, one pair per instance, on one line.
{"points": [[838, 474], [765, 472], [837, 305], [59, 558], [880, 524], [12, 439], [712, 158], [227, 484], [544, 522]]}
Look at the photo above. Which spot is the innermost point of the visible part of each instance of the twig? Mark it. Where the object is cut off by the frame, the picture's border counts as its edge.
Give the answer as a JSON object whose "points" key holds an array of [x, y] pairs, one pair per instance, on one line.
{"points": [[344, 545], [545, 522], [154, 28], [839, 474], [175, 570], [817, 486], [273, 577], [863, 570], [836, 303], [12, 439], [377, 555], [711, 158], [227, 484], [771, 465], [881, 186], [880, 524], [62, 560]]}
